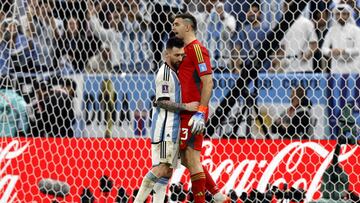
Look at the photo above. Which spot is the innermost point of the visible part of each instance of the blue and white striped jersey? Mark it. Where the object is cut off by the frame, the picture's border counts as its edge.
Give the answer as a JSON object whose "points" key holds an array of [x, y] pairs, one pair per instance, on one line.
{"points": [[165, 124]]}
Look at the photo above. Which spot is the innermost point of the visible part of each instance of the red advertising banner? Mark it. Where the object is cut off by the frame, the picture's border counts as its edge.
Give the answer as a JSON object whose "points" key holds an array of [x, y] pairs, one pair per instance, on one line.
{"points": [[234, 164]]}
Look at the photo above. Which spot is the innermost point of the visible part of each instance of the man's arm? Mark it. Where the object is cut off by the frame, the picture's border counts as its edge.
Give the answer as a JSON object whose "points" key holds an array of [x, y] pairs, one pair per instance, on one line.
{"points": [[197, 121], [171, 106], [207, 86], [176, 107], [203, 68]]}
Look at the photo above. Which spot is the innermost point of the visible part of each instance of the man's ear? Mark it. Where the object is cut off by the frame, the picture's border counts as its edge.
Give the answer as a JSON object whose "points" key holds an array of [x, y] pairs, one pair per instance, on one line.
{"points": [[165, 53], [188, 27]]}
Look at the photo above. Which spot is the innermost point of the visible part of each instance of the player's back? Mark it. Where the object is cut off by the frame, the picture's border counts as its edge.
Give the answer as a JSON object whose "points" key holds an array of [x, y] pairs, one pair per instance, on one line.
{"points": [[166, 124]]}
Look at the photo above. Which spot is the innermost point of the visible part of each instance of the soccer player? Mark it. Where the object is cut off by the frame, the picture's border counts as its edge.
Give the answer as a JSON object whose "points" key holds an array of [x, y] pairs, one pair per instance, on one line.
{"points": [[196, 81], [165, 127]]}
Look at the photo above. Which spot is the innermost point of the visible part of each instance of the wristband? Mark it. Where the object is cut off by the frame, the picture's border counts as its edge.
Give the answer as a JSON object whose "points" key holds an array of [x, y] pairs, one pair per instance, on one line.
{"points": [[203, 109]]}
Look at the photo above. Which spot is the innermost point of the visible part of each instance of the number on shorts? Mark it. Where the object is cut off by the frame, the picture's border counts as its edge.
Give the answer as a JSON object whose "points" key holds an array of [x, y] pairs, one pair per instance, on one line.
{"points": [[184, 133]]}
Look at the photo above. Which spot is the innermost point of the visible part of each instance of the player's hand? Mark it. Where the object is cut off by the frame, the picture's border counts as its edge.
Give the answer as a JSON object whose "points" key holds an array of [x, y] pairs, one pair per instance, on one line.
{"points": [[197, 121], [192, 106]]}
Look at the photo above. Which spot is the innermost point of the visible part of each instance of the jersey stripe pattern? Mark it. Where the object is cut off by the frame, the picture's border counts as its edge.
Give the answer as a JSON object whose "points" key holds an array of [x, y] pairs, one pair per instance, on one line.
{"points": [[198, 53], [165, 124]]}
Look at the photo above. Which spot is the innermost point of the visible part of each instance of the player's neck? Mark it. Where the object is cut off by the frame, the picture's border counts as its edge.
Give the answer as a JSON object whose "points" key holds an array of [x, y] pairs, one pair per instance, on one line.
{"points": [[170, 66], [189, 39]]}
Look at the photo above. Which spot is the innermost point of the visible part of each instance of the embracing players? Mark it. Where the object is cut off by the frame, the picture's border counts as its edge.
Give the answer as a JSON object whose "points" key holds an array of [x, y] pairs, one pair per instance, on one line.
{"points": [[165, 126]]}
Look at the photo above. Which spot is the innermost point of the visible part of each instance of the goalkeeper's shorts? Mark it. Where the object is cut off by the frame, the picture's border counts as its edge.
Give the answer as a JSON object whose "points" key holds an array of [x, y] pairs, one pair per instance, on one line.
{"points": [[187, 139]]}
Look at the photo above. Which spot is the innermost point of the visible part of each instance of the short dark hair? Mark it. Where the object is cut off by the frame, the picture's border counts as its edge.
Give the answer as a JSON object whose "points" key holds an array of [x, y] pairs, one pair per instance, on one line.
{"points": [[190, 18], [174, 42]]}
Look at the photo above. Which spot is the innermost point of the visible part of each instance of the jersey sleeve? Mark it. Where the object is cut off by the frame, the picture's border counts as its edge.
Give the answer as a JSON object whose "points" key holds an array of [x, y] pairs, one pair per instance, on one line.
{"points": [[202, 60], [162, 84]]}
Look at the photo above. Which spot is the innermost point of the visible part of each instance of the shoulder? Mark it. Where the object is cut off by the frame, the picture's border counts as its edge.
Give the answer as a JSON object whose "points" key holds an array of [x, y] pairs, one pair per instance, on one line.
{"points": [[354, 27], [302, 22], [163, 73], [197, 48]]}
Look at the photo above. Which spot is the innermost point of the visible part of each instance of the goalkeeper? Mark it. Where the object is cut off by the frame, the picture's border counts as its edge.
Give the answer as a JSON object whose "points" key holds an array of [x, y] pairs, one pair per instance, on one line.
{"points": [[196, 80], [165, 125]]}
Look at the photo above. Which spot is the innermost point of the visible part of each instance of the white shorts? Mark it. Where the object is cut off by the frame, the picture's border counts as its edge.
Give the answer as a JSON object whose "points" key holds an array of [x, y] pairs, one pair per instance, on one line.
{"points": [[165, 152]]}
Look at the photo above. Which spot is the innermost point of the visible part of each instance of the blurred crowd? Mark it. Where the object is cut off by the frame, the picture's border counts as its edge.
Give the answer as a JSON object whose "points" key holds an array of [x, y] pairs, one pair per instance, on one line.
{"points": [[107, 36], [66, 37]]}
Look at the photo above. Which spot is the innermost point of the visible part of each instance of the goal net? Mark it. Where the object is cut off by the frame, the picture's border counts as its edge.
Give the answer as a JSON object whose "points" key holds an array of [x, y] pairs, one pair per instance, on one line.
{"points": [[77, 88]]}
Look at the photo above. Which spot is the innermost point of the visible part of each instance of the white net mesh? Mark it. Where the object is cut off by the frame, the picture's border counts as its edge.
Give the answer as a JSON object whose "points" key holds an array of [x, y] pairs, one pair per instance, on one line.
{"points": [[284, 112]]}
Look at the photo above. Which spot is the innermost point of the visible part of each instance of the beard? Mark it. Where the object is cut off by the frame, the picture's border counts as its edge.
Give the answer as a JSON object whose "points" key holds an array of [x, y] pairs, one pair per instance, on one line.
{"points": [[342, 22], [175, 65]]}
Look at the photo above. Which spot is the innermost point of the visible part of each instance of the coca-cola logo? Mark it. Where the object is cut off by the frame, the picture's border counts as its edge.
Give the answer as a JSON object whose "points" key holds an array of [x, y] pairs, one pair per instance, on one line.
{"points": [[294, 152], [8, 181], [241, 165]]}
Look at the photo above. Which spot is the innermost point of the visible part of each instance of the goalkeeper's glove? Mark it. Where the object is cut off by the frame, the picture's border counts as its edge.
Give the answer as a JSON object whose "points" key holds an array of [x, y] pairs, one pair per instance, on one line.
{"points": [[197, 121]]}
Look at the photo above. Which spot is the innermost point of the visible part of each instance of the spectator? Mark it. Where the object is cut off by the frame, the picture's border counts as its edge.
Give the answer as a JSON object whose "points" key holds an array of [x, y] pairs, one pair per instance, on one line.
{"points": [[72, 8], [294, 123], [101, 62], [128, 37], [321, 21], [220, 29], [136, 42], [251, 37], [342, 43], [203, 16], [162, 16], [54, 112], [110, 36], [16, 50], [354, 4], [75, 46], [45, 30], [13, 111], [299, 53], [279, 62]]}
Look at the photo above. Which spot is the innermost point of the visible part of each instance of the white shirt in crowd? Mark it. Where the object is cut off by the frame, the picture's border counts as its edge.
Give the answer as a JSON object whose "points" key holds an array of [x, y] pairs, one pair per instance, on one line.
{"points": [[172, 3], [346, 37], [109, 36], [97, 64], [44, 38], [130, 46], [296, 42], [216, 34]]}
